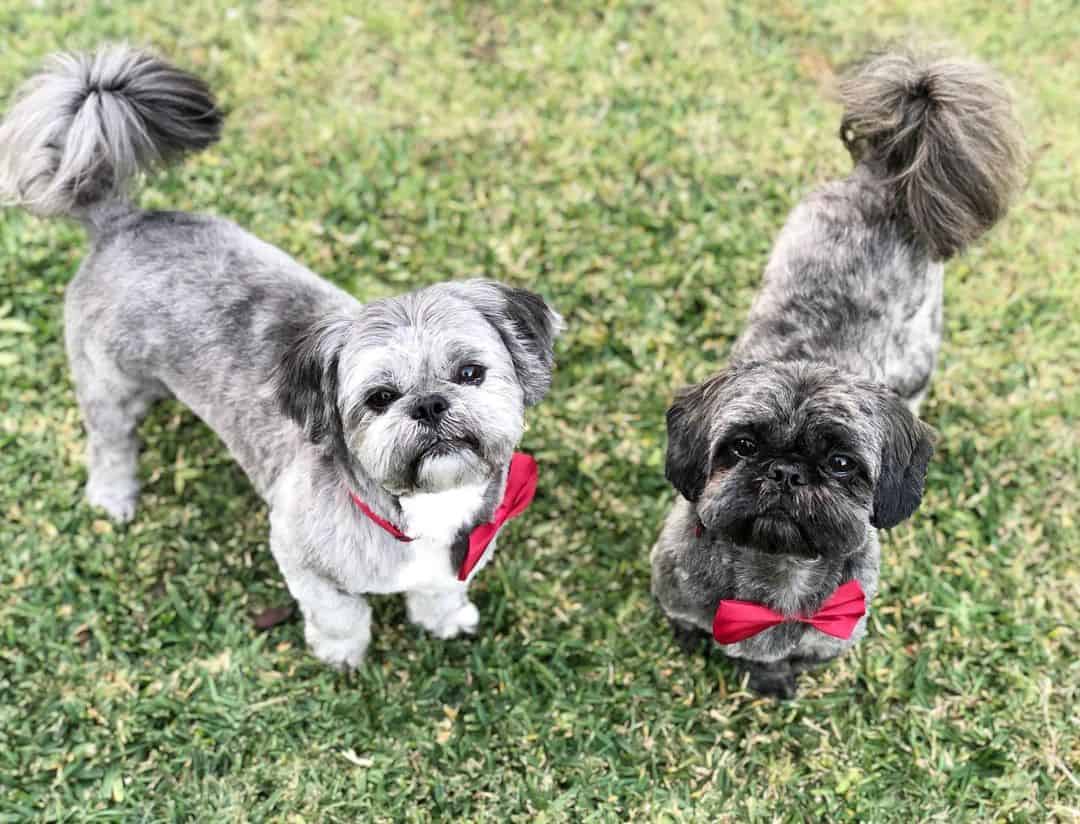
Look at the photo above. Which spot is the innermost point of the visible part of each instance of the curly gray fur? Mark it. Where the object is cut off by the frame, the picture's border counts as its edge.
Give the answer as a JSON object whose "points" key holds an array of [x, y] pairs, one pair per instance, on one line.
{"points": [[942, 134], [83, 128]]}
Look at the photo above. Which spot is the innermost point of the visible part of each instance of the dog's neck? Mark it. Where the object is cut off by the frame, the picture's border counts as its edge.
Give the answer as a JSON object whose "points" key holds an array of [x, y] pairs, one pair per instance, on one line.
{"points": [[381, 500], [790, 584], [459, 508], [787, 583]]}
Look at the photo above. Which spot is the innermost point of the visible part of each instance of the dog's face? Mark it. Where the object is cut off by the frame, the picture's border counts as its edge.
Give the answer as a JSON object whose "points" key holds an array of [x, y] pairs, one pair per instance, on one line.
{"points": [[427, 391], [796, 458]]}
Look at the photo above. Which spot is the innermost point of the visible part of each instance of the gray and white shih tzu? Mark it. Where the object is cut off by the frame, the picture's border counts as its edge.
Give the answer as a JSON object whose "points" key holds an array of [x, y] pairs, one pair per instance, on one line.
{"points": [[380, 435], [791, 459]]}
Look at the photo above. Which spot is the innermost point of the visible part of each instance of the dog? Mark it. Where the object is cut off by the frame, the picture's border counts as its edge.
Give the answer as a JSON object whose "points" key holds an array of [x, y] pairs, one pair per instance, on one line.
{"points": [[381, 435], [790, 460]]}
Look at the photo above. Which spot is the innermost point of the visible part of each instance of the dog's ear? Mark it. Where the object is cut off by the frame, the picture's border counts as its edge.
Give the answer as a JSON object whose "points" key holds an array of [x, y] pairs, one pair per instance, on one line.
{"points": [[306, 381], [689, 450], [905, 453], [528, 328]]}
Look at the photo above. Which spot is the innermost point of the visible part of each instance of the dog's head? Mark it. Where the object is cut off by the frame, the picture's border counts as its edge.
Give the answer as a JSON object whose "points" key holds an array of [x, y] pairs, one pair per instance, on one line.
{"points": [[795, 457], [426, 391]]}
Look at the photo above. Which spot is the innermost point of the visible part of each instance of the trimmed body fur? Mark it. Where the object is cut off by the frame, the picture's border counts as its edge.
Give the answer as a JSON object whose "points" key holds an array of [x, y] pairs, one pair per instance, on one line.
{"points": [[415, 403], [789, 460]]}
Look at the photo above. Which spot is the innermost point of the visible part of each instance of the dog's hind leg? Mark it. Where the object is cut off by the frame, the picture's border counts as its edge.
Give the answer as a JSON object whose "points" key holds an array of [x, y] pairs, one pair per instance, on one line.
{"points": [[910, 363], [112, 405]]}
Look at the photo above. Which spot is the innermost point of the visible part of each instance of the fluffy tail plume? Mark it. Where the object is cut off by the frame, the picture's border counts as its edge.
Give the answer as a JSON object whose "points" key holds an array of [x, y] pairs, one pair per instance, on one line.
{"points": [[944, 134], [82, 129]]}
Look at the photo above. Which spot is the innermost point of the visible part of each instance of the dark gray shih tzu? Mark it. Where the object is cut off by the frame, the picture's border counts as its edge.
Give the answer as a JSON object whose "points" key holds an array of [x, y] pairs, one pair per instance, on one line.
{"points": [[791, 459], [380, 435]]}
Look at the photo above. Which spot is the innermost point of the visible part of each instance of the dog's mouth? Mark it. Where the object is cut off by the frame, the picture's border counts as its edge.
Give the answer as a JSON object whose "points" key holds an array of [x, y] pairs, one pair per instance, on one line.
{"points": [[441, 447], [444, 462], [777, 532], [464, 447]]}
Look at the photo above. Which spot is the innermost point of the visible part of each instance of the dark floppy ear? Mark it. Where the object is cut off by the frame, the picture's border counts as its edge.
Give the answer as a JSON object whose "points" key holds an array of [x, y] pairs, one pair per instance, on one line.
{"points": [[306, 381], [688, 448], [905, 454], [528, 328]]}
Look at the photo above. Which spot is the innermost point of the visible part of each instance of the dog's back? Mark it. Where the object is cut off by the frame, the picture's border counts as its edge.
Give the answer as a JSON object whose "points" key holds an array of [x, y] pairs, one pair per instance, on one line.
{"points": [[165, 303], [855, 277]]}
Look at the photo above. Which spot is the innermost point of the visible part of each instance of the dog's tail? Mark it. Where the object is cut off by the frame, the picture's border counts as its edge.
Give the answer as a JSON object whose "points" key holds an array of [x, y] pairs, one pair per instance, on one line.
{"points": [[82, 130], [943, 133]]}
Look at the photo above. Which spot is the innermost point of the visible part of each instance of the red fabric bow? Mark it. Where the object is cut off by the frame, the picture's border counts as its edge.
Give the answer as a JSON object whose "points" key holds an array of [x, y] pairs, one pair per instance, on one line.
{"points": [[520, 489], [737, 620]]}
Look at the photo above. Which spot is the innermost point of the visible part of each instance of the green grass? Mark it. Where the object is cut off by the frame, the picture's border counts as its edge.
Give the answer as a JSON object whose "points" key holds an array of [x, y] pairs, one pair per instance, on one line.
{"points": [[632, 162]]}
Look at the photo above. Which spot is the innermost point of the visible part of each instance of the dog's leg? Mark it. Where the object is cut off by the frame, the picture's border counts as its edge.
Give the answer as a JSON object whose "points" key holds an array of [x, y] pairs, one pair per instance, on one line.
{"points": [[911, 368], [337, 626], [806, 663], [112, 406], [691, 639], [776, 679], [915, 403], [444, 613]]}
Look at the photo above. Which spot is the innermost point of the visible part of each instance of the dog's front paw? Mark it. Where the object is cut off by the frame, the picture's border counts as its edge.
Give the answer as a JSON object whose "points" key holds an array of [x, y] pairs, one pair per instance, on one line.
{"points": [[342, 654], [117, 499], [464, 619], [691, 639], [775, 680], [443, 614]]}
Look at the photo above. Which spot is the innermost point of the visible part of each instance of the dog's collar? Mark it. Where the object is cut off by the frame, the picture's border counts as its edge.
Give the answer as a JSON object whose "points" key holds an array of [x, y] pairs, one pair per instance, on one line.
{"points": [[520, 489], [736, 621], [382, 523]]}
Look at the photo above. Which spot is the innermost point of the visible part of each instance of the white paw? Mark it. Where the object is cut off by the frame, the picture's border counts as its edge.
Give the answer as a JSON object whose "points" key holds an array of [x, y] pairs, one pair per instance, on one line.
{"points": [[464, 619], [343, 654], [116, 499]]}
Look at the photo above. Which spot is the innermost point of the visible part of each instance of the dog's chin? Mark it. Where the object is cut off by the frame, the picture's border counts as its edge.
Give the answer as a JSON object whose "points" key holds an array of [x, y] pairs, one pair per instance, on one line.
{"points": [[775, 533], [448, 466]]}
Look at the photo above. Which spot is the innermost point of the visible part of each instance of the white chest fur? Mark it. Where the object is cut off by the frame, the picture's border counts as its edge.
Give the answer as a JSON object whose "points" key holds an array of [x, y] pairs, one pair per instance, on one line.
{"points": [[433, 521]]}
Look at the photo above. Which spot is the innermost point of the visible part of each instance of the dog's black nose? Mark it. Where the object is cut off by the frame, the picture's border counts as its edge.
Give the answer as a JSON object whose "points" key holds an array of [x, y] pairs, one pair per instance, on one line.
{"points": [[430, 409], [786, 473]]}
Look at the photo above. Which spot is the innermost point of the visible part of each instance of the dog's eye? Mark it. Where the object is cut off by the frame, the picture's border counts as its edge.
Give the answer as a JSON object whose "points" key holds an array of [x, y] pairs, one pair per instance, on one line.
{"points": [[380, 399], [470, 373], [841, 464], [744, 447]]}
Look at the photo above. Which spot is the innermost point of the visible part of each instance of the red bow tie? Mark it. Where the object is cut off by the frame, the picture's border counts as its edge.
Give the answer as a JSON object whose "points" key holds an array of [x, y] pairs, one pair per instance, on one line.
{"points": [[737, 620], [520, 489]]}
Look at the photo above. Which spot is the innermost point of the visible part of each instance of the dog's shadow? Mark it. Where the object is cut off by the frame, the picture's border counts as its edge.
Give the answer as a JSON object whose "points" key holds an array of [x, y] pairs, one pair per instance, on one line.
{"points": [[199, 500]]}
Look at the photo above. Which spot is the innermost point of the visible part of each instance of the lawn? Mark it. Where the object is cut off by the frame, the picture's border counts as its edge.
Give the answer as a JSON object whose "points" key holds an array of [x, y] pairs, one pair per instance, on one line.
{"points": [[632, 162]]}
